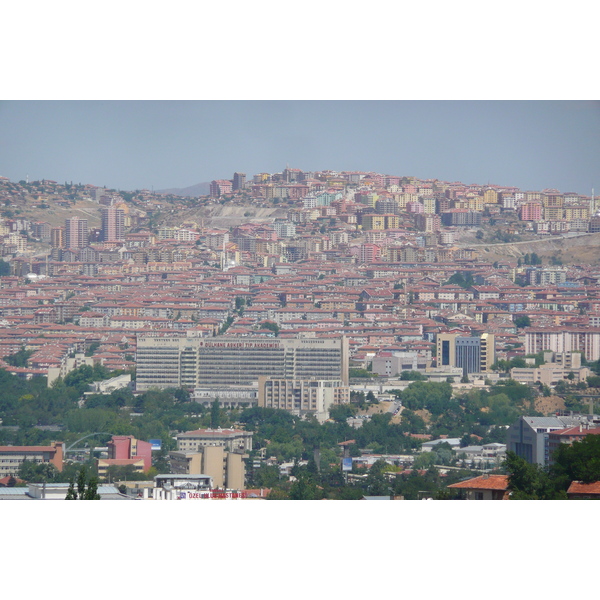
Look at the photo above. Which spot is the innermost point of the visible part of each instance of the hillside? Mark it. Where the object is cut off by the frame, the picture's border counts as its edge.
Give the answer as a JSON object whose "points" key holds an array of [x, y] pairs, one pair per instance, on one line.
{"points": [[221, 216], [578, 248], [56, 214], [195, 191]]}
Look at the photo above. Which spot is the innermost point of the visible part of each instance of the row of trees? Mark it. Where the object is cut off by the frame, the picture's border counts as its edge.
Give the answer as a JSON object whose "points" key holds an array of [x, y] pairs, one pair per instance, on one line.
{"points": [[30, 404]]}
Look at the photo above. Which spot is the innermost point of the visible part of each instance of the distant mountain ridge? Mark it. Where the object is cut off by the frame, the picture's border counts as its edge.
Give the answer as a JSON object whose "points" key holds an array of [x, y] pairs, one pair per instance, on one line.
{"points": [[200, 189]]}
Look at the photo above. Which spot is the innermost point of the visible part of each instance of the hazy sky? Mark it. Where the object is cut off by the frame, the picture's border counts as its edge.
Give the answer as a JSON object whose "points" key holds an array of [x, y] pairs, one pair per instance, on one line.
{"points": [[165, 144]]}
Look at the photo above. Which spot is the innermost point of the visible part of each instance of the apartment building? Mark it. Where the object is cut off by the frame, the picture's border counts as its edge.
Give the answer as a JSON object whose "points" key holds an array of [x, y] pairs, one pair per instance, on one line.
{"points": [[219, 187], [113, 224], [226, 468], [239, 181], [76, 233], [531, 211], [561, 339], [302, 396]]}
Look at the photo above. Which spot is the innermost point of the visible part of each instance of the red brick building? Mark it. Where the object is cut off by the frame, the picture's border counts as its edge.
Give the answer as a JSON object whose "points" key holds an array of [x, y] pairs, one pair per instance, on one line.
{"points": [[124, 450]]}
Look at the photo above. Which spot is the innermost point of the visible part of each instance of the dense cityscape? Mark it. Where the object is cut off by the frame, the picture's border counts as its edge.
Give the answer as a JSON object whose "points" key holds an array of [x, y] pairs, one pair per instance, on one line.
{"points": [[299, 335]]}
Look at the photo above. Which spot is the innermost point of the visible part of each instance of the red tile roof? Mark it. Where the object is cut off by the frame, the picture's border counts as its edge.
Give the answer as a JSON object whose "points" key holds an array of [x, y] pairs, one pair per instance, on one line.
{"points": [[485, 482], [577, 487]]}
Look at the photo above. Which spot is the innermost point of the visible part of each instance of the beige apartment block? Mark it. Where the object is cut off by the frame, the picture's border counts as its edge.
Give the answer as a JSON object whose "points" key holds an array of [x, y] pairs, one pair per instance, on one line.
{"points": [[226, 469], [549, 374], [302, 396]]}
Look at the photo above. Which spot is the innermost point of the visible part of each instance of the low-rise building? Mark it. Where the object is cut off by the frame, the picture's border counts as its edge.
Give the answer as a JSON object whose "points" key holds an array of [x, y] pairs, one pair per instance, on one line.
{"points": [[548, 374], [56, 491], [12, 457], [486, 487], [230, 396], [181, 487], [584, 491]]}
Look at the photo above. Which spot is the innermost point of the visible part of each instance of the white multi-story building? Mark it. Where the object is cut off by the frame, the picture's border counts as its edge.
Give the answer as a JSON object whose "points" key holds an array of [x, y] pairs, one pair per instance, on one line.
{"points": [[175, 361], [559, 339], [284, 229], [302, 396]]}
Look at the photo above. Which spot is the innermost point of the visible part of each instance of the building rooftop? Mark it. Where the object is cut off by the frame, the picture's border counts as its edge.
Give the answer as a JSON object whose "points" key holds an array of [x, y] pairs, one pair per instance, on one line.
{"points": [[484, 482], [216, 432], [577, 487]]}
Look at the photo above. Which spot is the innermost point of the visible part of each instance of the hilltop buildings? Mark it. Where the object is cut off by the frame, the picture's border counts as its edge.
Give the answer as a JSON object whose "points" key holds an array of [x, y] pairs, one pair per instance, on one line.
{"points": [[393, 265]]}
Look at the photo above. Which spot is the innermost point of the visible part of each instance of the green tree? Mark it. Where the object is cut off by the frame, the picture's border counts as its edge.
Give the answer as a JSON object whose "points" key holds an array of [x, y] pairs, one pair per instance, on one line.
{"points": [[305, 488], [412, 376], [341, 412], [92, 348], [463, 279], [4, 268], [530, 481], [579, 461], [593, 381], [215, 414], [125, 473], [355, 372], [271, 326], [87, 488], [240, 304], [522, 321], [266, 476], [376, 481], [20, 358], [424, 460], [30, 471]]}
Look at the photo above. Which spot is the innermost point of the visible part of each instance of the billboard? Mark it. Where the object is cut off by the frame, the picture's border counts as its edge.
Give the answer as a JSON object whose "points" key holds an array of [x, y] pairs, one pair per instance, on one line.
{"points": [[211, 495], [156, 444], [347, 464]]}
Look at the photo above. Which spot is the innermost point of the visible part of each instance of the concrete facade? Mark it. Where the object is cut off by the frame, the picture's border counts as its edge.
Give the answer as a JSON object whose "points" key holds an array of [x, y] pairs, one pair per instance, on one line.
{"points": [[170, 361]]}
